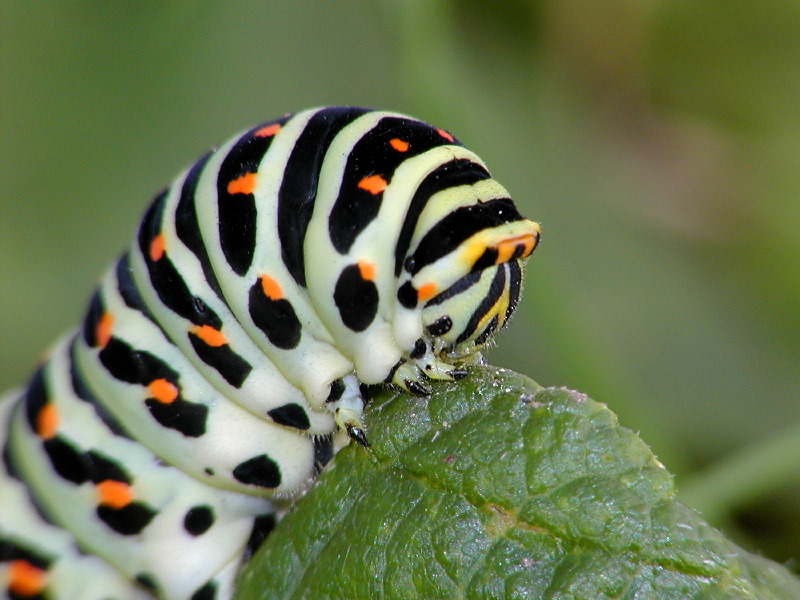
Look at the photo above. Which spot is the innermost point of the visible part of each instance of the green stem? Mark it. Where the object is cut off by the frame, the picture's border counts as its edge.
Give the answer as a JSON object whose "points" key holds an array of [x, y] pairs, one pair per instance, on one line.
{"points": [[744, 475]]}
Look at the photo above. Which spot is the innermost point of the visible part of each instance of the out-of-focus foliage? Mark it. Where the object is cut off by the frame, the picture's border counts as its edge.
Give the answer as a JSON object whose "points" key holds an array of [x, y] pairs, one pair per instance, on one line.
{"points": [[657, 142]]}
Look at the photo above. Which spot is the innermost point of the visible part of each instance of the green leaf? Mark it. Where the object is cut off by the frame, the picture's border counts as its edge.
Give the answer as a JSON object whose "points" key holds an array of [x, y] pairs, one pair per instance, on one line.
{"points": [[497, 488]]}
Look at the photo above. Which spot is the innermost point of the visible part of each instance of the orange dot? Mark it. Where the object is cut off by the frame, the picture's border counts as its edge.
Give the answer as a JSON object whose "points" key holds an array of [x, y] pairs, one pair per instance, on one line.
{"points": [[102, 331], [212, 337], [268, 130], [507, 248], [445, 135], [162, 391], [47, 421], [114, 494], [398, 144], [366, 270], [374, 184], [24, 579], [271, 288], [157, 247], [530, 245], [243, 185], [426, 291]]}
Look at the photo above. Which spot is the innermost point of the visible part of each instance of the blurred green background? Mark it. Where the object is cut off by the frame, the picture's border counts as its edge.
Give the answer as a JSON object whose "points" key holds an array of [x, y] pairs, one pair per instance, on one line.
{"points": [[657, 142]]}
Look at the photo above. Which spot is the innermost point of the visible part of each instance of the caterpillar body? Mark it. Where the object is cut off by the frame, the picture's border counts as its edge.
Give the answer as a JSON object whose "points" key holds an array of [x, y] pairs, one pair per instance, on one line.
{"points": [[221, 360]]}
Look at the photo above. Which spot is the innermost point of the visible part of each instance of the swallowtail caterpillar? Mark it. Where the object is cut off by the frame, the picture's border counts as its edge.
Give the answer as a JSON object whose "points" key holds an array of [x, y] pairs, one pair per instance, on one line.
{"points": [[221, 354]]}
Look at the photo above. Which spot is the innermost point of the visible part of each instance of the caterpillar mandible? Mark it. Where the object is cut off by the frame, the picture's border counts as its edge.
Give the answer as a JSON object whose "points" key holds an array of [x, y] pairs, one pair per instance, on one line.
{"points": [[338, 247]]}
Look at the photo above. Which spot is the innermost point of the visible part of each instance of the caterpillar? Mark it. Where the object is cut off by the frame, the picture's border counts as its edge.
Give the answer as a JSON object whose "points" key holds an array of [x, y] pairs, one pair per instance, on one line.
{"points": [[224, 358]]}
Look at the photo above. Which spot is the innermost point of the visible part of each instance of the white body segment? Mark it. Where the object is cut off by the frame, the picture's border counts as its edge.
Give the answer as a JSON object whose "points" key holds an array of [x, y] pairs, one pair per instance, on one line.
{"points": [[221, 360]]}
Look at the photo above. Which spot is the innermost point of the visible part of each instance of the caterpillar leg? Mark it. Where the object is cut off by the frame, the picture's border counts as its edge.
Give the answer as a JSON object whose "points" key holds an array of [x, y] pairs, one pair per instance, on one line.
{"points": [[423, 363], [427, 357], [348, 406]]}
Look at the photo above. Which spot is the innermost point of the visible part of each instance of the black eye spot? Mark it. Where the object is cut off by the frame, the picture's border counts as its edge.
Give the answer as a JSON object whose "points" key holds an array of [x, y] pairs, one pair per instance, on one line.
{"points": [[440, 326]]}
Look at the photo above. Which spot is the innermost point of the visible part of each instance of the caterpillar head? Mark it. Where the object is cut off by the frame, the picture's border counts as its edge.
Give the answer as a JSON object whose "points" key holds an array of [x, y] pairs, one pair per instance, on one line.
{"points": [[463, 296], [464, 316]]}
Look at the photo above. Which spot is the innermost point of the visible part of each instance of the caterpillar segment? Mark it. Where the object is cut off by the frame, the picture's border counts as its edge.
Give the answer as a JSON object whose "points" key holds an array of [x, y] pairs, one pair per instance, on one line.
{"points": [[221, 361]]}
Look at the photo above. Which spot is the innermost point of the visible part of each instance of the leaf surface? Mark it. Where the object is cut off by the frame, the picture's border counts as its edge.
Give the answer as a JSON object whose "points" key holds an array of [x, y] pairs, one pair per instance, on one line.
{"points": [[497, 488]]}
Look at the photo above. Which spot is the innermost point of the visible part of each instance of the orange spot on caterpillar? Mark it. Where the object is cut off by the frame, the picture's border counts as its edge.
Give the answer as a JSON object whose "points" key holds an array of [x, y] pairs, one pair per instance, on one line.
{"points": [[426, 291], [243, 185], [209, 335], [445, 135], [162, 391], [114, 494], [24, 579], [268, 130], [505, 250], [102, 331], [374, 184], [522, 245], [271, 288], [156, 249], [530, 244], [47, 421], [366, 270], [398, 144]]}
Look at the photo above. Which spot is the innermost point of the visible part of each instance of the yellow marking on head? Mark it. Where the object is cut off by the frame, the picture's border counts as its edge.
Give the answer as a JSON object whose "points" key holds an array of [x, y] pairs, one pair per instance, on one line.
{"points": [[502, 306], [498, 309], [471, 252], [507, 248], [519, 246], [536, 234]]}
